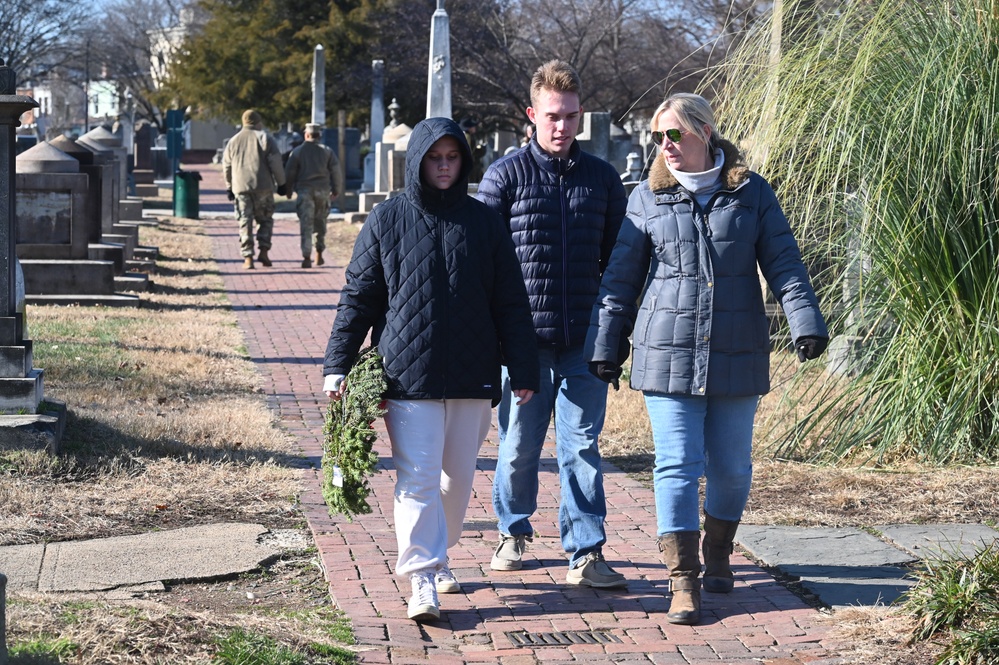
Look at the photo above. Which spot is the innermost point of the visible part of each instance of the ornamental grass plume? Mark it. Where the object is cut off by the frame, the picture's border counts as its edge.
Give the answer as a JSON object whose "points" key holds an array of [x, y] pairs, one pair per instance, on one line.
{"points": [[878, 123], [348, 460]]}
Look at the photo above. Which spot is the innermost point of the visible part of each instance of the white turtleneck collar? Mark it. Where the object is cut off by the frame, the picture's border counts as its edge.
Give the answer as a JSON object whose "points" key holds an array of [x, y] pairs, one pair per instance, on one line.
{"points": [[704, 183]]}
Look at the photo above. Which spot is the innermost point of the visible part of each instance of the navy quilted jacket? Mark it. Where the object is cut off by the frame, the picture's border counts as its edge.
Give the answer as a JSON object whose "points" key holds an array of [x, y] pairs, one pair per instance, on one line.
{"points": [[564, 215], [686, 277], [435, 274]]}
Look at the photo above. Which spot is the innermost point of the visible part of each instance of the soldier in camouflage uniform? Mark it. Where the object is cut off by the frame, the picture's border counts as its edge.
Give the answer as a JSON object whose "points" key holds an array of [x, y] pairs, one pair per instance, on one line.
{"points": [[252, 166], [314, 174]]}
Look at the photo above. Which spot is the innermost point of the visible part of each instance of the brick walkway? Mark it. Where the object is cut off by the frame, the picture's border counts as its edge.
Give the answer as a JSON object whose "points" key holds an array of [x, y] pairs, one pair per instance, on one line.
{"points": [[285, 313]]}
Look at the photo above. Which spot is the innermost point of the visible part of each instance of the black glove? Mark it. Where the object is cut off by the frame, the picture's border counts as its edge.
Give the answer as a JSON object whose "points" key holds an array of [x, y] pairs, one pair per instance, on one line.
{"points": [[606, 371], [809, 347], [232, 197], [282, 190]]}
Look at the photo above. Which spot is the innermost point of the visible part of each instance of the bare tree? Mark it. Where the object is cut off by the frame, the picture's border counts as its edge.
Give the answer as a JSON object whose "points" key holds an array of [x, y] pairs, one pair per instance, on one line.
{"points": [[36, 34], [629, 53], [119, 44]]}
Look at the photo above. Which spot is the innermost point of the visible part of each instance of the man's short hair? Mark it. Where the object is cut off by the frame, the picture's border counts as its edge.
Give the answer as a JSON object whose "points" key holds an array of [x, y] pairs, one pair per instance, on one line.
{"points": [[557, 76], [313, 129], [251, 118]]}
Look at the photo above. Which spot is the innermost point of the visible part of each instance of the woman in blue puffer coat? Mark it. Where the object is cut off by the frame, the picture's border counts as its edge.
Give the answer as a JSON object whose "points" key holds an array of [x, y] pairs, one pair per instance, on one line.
{"points": [[694, 235]]}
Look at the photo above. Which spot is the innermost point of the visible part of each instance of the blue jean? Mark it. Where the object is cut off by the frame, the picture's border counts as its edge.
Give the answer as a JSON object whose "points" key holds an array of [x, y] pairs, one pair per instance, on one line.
{"points": [[579, 402], [700, 436]]}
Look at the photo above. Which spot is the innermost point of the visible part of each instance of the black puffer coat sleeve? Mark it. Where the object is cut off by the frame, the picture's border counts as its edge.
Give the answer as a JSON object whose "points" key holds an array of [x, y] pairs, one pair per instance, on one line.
{"points": [[363, 300]]}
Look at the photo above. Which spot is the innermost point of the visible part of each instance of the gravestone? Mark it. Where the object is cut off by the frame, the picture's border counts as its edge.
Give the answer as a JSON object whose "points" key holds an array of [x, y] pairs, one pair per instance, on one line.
{"points": [[439, 67], [53, 231], [319, 85], [351, 161], [145, 137], [20, 383], [594, 134], [99, 169], [393, 134], [121, 247], [598, 136], [377, 125], [632, 170], [101, 138], [52, 220]]}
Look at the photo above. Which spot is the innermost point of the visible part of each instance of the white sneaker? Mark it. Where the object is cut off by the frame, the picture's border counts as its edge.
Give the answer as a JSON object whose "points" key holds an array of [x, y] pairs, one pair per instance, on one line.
{"points": [[445, 580], [423, 606]]}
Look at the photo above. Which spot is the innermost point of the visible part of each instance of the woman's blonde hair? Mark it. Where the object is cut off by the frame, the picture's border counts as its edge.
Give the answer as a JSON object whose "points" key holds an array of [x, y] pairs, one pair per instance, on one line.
{"points": [[693, 112]]}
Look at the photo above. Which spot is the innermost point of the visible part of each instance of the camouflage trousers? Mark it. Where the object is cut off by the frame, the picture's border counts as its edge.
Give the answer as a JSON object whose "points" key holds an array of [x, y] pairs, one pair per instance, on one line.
{"points": [[313, 207], [255, 206]]}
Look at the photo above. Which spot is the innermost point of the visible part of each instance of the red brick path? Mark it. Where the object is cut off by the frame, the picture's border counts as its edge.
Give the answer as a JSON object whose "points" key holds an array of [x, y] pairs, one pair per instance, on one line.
{"points": [[285, 313]]}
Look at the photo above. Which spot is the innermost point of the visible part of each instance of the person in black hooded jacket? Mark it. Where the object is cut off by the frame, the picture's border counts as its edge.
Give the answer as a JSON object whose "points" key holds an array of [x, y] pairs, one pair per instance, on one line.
{"points": [[434, 275]]}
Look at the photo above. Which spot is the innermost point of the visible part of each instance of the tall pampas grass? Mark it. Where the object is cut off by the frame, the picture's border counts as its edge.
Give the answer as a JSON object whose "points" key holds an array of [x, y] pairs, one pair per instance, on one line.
{"points": [[878, 123]]}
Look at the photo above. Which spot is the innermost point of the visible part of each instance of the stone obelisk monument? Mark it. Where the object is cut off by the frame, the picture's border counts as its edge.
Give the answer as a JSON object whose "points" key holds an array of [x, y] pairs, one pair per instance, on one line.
{"points": [[439, 77], [319, 86], [20, 383], [377, 101], [377, 126]]}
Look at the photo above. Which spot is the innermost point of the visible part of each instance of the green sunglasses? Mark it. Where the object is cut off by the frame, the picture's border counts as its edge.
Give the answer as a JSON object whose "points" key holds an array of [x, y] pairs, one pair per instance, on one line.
{"points": [[674, 135]]}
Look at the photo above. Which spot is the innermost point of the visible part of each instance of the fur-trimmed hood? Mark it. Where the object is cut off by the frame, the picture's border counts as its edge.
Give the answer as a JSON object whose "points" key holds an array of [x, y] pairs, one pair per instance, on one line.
{"points": [[734, 172]]}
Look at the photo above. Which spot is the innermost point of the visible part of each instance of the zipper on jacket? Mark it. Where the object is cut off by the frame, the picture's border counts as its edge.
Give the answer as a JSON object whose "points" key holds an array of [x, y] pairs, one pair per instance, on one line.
{"points": [[565, 254], [700, 213], [445, 297]]}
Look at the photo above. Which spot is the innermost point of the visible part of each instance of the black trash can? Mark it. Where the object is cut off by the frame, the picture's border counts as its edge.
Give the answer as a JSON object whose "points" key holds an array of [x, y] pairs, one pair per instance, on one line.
{"points": [[185, 194]]}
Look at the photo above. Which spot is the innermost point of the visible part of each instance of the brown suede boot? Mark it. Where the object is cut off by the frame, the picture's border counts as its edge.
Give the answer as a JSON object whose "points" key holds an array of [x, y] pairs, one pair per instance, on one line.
{"points": [[681, 555], [248, 263], [265, 261], [718, 537], [319, 259]]}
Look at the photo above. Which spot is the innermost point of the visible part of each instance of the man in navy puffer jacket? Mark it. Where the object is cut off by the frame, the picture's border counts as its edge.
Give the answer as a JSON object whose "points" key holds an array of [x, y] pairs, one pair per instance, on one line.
{"points": [[564, 208]]}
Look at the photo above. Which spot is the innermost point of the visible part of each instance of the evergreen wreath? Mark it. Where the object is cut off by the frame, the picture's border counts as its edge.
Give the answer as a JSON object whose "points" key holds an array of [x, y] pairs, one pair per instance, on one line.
{"points": [[348, 460]]}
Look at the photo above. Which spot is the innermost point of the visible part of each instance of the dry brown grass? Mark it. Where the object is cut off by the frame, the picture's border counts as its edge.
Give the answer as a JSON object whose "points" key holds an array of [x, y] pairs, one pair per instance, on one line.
{"points": [[167, 427]]}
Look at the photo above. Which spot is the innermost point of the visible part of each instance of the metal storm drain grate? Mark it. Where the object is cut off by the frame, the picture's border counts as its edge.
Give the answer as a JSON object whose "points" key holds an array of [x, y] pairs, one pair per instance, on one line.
{"points": [[521, 638]]}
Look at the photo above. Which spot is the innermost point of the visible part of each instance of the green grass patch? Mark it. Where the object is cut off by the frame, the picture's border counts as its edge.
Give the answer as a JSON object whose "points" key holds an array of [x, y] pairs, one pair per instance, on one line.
{"points": [[242, 647], [41, 651], [956, 599]]}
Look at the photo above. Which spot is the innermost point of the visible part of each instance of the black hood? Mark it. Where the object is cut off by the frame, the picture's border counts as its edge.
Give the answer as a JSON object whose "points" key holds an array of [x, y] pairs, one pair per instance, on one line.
{"points": [[425, 134]]}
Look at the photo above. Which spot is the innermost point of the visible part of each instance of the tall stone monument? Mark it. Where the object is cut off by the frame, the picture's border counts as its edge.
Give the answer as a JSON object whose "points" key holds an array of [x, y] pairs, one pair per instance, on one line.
{"points": [[439, 76], [319, 86], [377, 101], [377, 125], [20, 383]]}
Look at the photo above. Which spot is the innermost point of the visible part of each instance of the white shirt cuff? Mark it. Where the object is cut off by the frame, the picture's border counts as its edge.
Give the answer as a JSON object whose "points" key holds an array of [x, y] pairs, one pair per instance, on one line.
{"points": [[332, 382]]}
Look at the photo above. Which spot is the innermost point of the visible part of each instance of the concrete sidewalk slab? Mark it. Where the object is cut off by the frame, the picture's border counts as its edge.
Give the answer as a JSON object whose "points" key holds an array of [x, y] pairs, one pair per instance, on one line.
{"points": [[21, 564], [200, 552], [940, 540], [842, 567]]}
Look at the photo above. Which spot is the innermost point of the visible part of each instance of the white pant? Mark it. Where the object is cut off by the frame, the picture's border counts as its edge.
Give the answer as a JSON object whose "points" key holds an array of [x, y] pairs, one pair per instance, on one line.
{"points": [[435, 444]]}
